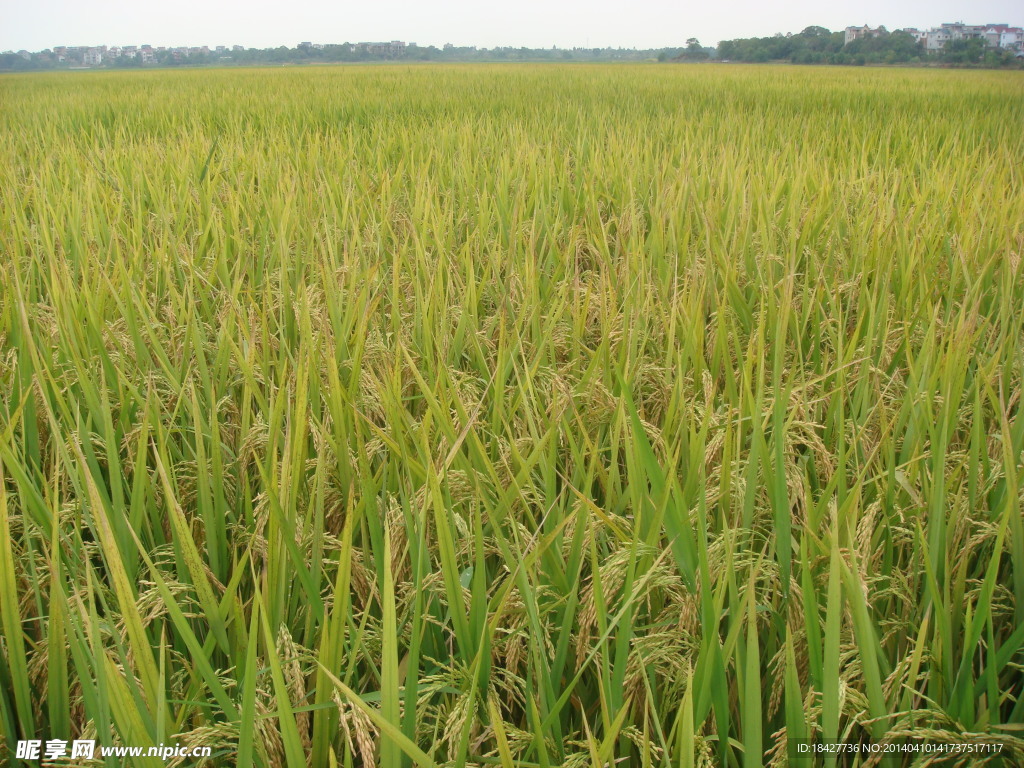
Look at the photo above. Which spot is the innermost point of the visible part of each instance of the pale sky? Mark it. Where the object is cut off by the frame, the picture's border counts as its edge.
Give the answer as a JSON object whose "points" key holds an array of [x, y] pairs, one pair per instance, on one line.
{"points": [[39, 24]]}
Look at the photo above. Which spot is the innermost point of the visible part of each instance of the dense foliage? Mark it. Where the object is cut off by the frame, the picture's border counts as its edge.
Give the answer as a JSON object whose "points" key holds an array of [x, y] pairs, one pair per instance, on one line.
{"points": [[518, 416]]}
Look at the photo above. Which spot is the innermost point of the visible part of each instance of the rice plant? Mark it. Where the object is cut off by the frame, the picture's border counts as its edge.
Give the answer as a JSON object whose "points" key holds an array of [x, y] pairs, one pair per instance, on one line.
{"points": [[513, 415]]}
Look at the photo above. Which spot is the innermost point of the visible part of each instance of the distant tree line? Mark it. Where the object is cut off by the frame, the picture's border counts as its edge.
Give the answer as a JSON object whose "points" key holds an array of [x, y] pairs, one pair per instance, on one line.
{"points": [[814, 45], [693, 51], [340, 53], [818, 45]]}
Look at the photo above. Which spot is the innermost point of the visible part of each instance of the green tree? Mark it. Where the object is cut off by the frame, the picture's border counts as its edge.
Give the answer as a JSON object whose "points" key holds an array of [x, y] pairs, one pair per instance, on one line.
{"points": [[694, 51]]}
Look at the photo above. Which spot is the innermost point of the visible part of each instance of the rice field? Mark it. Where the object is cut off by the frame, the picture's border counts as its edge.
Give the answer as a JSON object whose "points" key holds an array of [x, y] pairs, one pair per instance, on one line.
{"points": [[513, 415]]}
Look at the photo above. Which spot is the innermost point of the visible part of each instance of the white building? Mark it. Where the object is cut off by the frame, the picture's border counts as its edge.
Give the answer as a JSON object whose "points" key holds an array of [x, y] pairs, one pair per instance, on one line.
{"points": [[92, 57], [1011, 38]]}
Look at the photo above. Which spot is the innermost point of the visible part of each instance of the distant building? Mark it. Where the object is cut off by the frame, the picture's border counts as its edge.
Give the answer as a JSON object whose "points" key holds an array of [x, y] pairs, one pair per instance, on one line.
{"points": [[92, 57], [859, 33], [1012, 38], [939, 36], [918, 35], [391, 50], [993, 35], [935, 39]]}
